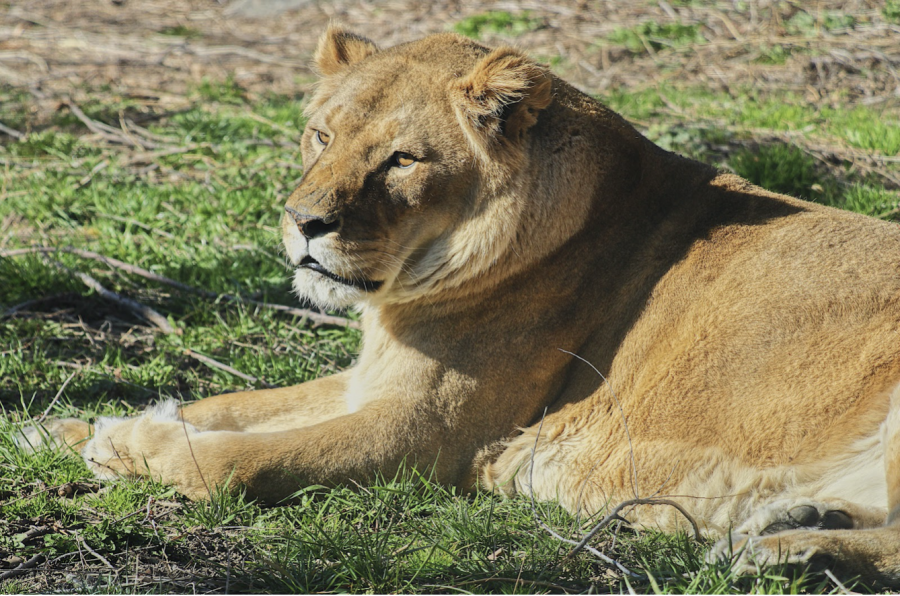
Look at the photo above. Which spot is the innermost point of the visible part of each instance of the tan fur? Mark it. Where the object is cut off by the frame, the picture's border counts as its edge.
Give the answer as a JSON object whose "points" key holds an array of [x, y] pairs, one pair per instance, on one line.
{"points": [[737, 349]]}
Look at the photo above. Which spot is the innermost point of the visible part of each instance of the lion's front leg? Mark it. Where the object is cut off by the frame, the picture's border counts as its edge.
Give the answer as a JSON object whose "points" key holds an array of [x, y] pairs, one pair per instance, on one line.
{"points": [[269, 410], [203, 445], [270, 466]]}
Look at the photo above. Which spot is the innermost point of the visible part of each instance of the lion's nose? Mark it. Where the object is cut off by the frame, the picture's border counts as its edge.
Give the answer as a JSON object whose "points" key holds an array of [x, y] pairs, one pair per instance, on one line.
{"points": [[313, 226]]}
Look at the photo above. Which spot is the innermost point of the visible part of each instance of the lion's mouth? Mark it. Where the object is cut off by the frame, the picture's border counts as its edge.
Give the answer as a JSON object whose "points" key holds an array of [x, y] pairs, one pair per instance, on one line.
{"points": [[363, 284]]}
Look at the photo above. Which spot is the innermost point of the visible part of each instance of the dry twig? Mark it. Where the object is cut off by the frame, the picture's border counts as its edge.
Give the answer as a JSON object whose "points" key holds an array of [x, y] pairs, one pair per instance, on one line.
{"points": [[29, 303], [614, 515], [136, 307], [23, 568], [43, 416], [90, 176], [108, 132], [316, 318], [99, 557], [11, 132], [216, 364], [34, 532]]}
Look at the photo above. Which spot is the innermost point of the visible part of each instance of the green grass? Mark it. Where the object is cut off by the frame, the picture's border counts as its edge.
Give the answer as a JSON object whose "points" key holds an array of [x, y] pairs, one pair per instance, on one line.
{"points": [[181, 31], [774, 54], [651, 35], [497, 22], [744, 122], [891, 11], [207, 215]]}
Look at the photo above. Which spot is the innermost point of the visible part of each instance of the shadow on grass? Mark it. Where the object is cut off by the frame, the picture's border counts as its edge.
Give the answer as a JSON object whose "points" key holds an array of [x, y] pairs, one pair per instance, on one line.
{"points": [[786, 168], [60, 328]]}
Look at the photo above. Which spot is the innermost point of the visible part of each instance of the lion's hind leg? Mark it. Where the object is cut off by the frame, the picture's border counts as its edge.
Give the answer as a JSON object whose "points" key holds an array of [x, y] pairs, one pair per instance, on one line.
{"points": [[891, 441], [859, 540], [872, 554]]}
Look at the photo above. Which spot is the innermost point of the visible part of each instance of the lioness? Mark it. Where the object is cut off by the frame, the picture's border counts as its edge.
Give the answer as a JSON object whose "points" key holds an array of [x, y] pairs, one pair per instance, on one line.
{"points": [[515, 246]]}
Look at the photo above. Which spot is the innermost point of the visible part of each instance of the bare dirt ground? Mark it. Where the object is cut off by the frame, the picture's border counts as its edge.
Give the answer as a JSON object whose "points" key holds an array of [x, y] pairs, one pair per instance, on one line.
{"points": [[153, 50]]}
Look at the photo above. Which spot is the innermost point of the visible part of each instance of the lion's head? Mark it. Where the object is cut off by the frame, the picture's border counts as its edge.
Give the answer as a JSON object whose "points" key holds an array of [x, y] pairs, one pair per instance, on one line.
{"points": [[419, 167]]}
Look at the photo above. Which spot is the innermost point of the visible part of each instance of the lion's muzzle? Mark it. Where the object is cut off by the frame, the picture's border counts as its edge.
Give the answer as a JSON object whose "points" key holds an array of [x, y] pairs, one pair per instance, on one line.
{"points": [[314, 226]]}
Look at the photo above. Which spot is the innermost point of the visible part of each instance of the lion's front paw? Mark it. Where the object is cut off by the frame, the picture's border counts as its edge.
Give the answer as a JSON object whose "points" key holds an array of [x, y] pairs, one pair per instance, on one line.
{"points": [[108, 453], [132, 446], [795, 514], [55, 434]]}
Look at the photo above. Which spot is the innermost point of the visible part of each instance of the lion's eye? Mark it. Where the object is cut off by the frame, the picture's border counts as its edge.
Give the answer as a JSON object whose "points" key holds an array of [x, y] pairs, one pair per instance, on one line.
{"points": [[404, 160], [322, 138]]}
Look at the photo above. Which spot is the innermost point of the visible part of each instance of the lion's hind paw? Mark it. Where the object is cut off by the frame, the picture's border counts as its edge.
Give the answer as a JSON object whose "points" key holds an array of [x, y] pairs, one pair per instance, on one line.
{"points": [[796, 514], [750, 555], [787, 531]]}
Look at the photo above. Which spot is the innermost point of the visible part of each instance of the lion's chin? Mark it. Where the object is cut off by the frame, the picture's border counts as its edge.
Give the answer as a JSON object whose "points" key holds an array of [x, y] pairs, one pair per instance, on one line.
{"points": [[324, 292]]}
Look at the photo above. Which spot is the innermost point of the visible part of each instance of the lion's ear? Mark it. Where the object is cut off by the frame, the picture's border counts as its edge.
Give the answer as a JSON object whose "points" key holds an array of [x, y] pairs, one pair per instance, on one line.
{"points": [[339, 49], [502, 97]]}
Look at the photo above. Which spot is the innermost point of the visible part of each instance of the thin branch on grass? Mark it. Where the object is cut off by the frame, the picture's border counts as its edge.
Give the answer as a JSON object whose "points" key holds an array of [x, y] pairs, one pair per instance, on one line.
{"points": [[98, 556], [11, 132], [550, 530], [130, 125], [316, 318], [23, 567], [106, 131], [90, 176], [614, 516], [216, 364], [115, 263], [43, 416], [729, 24], [144, 311], [35, 532], [28, 303]]}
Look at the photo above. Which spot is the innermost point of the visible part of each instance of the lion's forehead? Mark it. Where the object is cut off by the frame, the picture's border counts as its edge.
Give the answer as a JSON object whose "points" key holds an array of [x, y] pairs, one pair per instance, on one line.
{"points": [[374, 90], [402, 95], [391, 114]]}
